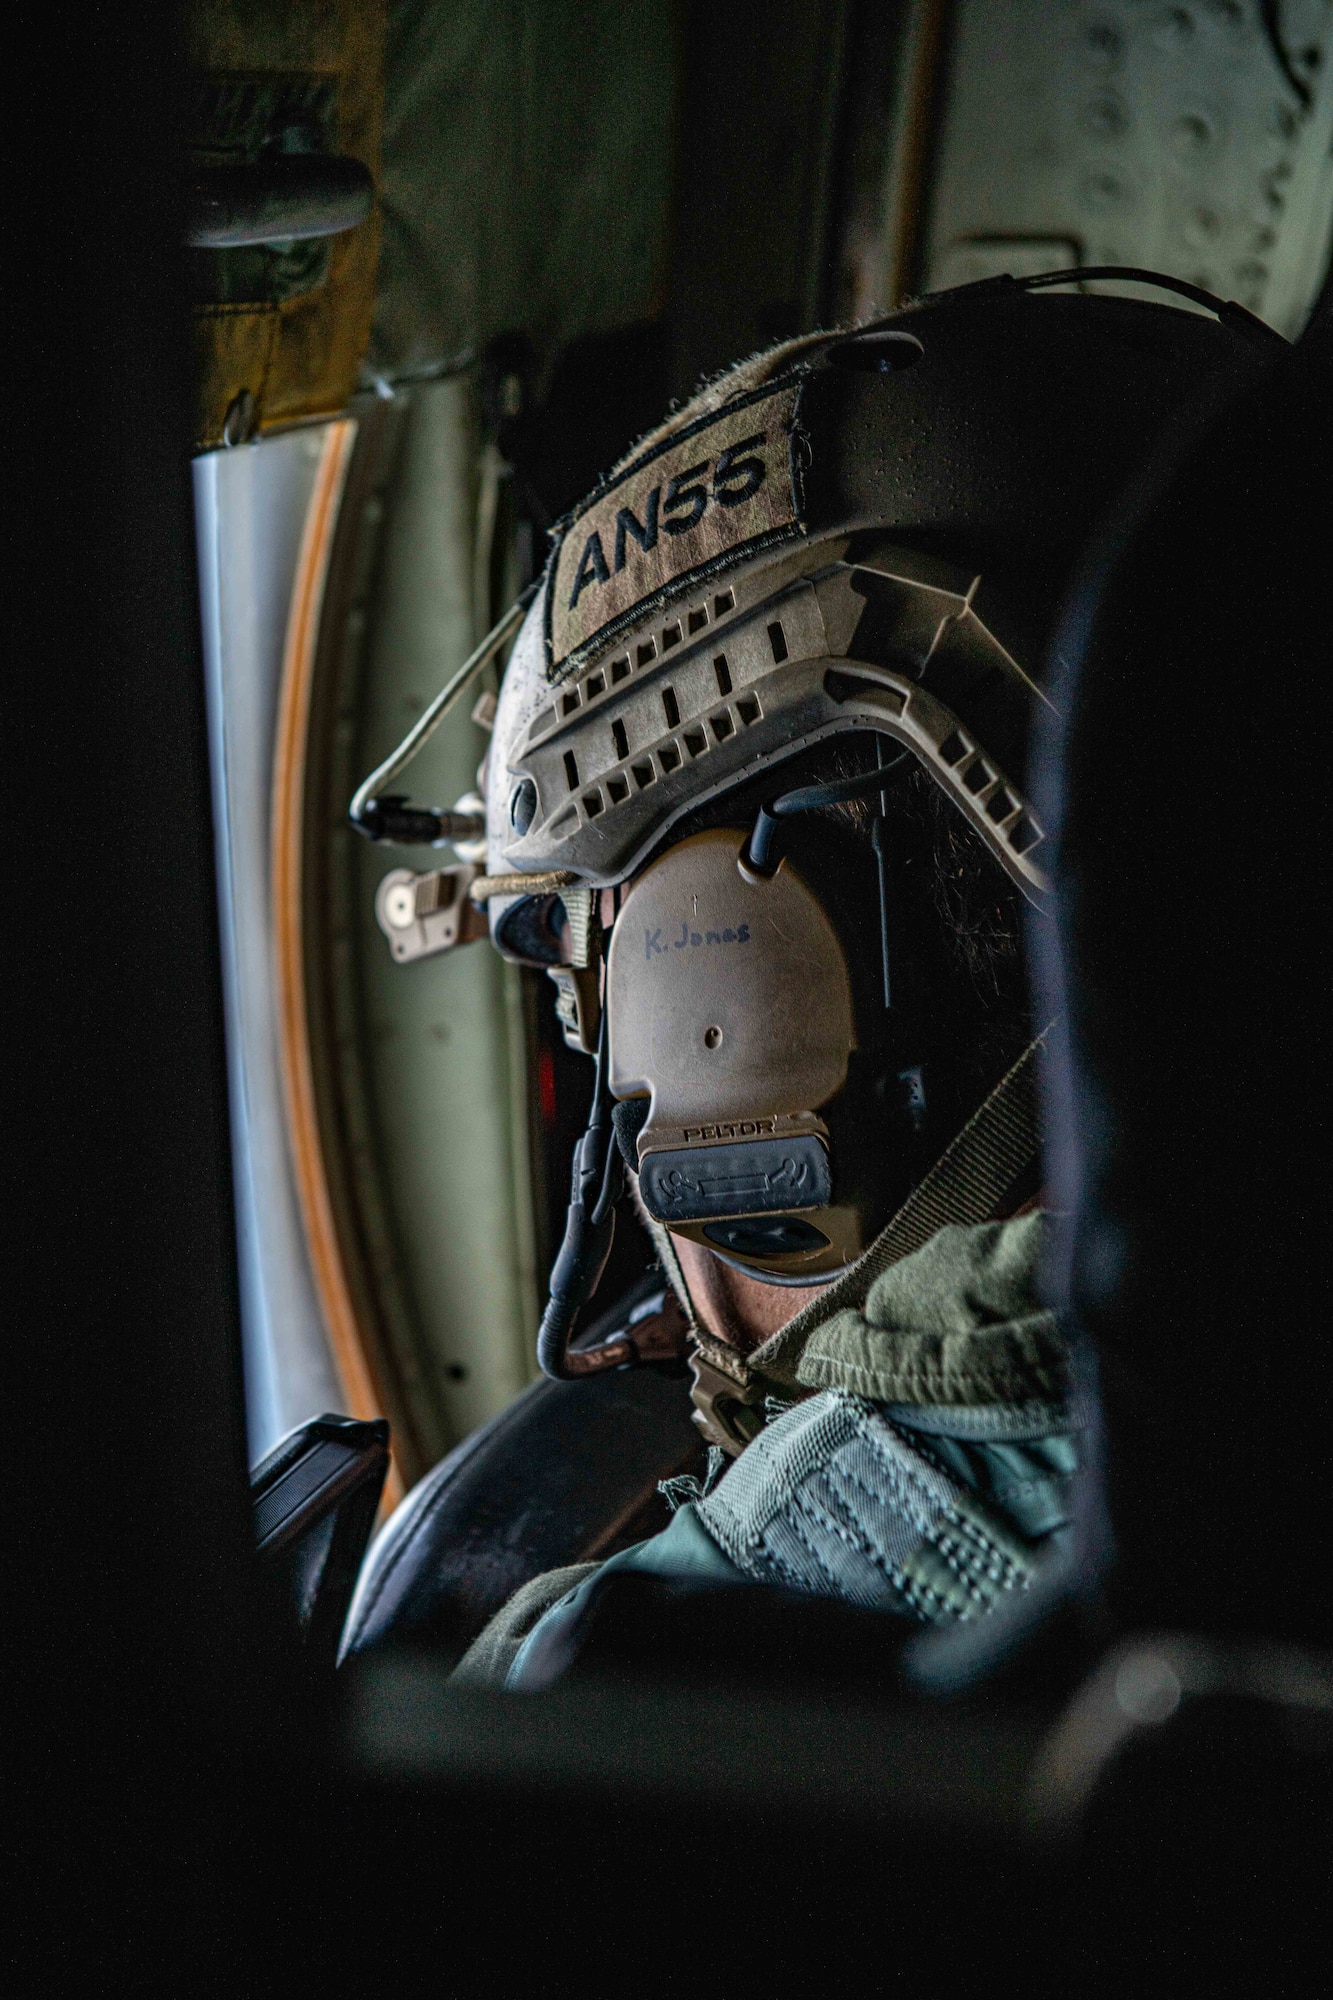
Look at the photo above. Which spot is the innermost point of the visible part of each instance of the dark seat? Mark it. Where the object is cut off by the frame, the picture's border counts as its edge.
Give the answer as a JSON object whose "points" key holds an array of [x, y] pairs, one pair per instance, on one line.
{"points": [[566, 1474], [1188, 795]]}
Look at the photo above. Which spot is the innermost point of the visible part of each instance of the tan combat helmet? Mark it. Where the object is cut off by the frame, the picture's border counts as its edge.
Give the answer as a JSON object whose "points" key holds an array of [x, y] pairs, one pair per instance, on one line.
{"points": [[860, 535]]}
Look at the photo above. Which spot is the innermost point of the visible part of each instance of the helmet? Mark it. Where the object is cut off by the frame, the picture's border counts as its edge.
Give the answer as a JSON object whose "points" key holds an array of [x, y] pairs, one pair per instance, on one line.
{"points": [[825, 585]]}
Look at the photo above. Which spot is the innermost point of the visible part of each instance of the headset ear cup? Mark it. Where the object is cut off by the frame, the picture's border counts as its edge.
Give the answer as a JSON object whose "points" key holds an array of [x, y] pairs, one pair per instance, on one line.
{"points": [[629, 1118]]}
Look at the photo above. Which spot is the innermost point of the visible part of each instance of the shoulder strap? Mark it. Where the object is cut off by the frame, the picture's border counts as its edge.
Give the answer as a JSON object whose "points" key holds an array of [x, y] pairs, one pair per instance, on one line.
{"points": [[966, 1185]]}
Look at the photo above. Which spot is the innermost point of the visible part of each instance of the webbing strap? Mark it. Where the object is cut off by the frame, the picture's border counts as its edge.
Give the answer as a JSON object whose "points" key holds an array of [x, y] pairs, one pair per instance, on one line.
{"points": [[966, 1184], [976, 1170]]}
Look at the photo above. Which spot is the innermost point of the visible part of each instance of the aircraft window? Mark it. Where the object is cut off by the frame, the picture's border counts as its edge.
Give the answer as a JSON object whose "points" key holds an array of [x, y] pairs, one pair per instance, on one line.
{"points": [[251, 506], [380, 1113]]}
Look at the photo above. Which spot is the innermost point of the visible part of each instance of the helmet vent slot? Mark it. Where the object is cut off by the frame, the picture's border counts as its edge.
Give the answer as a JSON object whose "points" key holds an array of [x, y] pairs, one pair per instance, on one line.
{"points": [[722, 725], [569, 702], [698, 618], [647, 651], [695, 742], [596, 685], [723, 674], [619, 670], [748, 709], [619, 738], [954, 747], [978, 776], [777, 639], [669, 758], [1002, 805], [592, 804], [618, 790], [723, 603], [1024, 834], [571, 771], [671, 708], [670, 637], [643, 774]]}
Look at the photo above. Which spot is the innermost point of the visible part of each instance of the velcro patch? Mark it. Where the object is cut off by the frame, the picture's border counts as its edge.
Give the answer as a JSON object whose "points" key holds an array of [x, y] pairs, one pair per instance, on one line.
{"points": [[708, 496]]}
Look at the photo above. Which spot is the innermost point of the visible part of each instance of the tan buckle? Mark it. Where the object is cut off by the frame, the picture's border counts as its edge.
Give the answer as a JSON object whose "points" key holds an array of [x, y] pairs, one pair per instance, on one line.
{"points": [[728, 1402]]}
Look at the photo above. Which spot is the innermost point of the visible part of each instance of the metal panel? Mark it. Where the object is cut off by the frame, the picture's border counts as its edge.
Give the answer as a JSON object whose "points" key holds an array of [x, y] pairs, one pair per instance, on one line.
{"points": [[1189, 139]]}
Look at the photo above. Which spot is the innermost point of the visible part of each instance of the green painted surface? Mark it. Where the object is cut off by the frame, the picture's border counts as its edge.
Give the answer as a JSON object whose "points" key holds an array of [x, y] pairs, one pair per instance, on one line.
{"points": [[526, 175], [443, 1054]]}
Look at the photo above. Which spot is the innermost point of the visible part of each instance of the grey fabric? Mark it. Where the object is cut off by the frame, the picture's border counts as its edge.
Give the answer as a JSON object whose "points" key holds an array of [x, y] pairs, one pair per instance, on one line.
{"points": [[1012, 1423], [681, 1550], [492, 1653], [1026, 1483], [687, 1487], [927, 1477], [834, 1499]]}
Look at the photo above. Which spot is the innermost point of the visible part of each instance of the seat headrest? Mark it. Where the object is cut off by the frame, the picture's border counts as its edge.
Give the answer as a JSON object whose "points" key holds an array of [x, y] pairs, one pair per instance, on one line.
{"points": [[1188, 791]]}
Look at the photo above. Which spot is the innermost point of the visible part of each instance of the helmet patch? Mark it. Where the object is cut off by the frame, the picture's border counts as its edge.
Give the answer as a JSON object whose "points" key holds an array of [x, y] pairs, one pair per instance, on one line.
{"points": [[709, 495]]}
